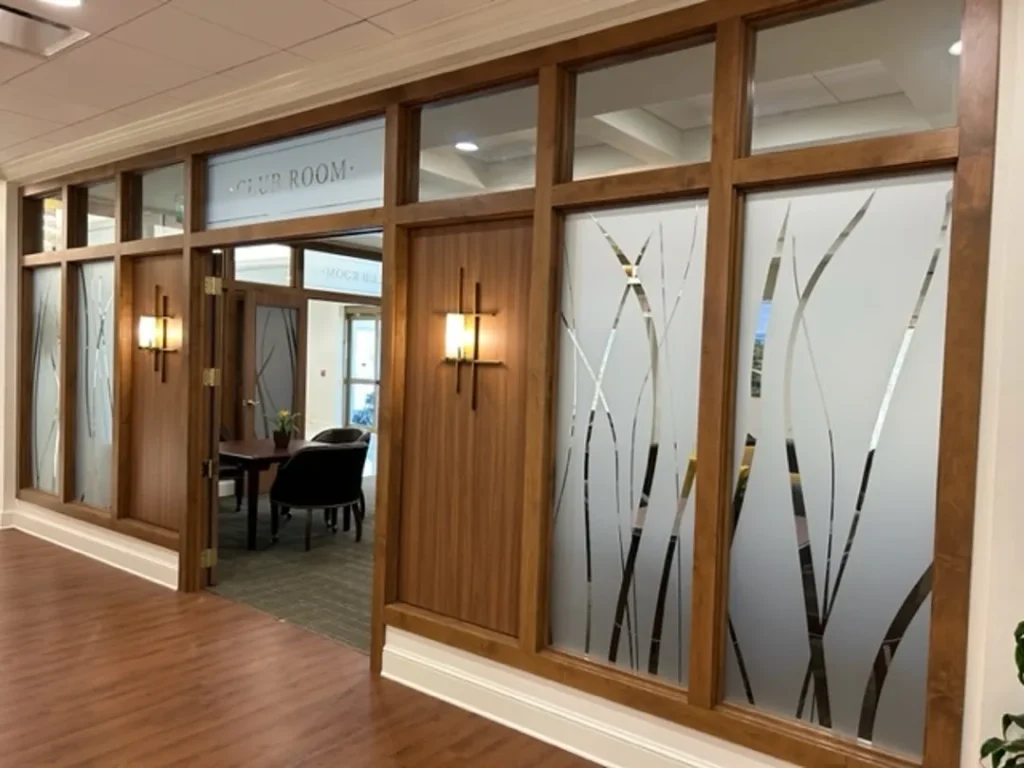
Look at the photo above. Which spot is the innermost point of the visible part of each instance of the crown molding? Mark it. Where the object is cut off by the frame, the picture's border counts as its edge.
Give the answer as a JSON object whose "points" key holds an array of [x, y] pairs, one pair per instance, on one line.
{"points": [[504, 28]]}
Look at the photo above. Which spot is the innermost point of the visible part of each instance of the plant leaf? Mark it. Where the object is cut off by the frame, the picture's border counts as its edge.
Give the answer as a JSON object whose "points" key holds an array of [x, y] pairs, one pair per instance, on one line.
{"points": [[1009, 720]]}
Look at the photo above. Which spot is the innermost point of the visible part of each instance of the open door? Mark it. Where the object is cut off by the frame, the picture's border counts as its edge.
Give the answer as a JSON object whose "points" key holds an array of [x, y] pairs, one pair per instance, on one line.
{"points": [[273, 365]]}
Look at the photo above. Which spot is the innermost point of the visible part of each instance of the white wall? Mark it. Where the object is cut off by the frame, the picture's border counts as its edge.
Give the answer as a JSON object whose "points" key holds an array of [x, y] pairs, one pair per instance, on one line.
{"points": [[325, 366]]}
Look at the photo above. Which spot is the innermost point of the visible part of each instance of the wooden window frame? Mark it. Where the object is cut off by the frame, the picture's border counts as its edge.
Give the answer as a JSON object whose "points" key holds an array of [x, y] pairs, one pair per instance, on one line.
{"points": [[967, 149]]}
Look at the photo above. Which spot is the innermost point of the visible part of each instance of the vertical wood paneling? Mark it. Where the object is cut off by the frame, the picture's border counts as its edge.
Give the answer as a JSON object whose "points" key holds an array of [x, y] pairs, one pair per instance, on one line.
{"points": [[157, 461], [554, 166], [729, 139], [198, 400], [124, 319], [961, 383], [401, 179], [462, 482]]}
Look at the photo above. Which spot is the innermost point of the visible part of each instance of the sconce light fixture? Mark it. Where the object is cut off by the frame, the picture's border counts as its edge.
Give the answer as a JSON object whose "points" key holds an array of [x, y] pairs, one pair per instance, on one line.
{"points": [[462, 338], [160, 333]]}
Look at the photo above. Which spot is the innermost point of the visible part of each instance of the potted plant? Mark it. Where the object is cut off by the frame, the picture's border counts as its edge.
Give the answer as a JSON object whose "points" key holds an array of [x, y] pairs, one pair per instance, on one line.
{"points": [[1008, 751], [286, 425]]}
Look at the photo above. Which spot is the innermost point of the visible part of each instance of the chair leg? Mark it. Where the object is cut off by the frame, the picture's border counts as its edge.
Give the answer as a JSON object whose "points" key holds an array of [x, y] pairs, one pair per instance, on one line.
{"points": [[359, 525], [362, 504], [275, 521], [309, 529], [347, 519], [239, 492]]}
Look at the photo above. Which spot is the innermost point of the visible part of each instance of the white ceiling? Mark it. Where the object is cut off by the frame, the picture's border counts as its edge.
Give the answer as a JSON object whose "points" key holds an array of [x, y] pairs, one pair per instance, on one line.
{"points": [[147, 57]]}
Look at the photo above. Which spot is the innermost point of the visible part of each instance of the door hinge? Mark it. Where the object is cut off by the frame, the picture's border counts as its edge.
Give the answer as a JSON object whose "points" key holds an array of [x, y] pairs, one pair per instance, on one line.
{"points": [[208, 469], [209, 558], [213, 286], [211, 377]]}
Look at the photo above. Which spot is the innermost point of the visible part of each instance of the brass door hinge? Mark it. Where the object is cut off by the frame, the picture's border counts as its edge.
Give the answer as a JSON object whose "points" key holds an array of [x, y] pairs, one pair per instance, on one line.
{"points": [[208, 468], [211, 377], [213, 286], [209, 558]]}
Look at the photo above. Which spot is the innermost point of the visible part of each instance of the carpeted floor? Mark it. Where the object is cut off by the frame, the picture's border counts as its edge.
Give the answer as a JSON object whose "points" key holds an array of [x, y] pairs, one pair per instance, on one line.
{"points": [[326, 590]]}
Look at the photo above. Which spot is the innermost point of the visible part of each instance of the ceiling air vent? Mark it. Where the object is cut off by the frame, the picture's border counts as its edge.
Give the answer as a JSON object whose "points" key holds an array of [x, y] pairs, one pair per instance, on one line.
{"points": [[41, 37]]}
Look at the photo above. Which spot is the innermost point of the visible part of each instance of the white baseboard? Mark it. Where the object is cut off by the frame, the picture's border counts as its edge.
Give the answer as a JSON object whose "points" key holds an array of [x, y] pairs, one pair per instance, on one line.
{"points": [[139, 558], [225, 488], [593, 728]]}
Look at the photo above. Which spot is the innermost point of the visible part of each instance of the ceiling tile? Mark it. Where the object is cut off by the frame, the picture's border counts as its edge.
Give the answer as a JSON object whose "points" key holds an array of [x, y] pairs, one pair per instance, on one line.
{"points": [[280, 24], [859, 81], [789, 94], [186, 38], [422, 13], [33, 103], [15, 128], [96, 16], [13, 63], [275, 64], [23, 149], [335, 44], [88, 128], [206, 88], [151, 107], [368, 8], [105, 73]]}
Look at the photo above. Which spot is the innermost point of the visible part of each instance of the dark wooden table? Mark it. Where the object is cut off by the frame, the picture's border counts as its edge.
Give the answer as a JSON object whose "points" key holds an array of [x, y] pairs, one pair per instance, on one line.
{"points": [[254, 457]]}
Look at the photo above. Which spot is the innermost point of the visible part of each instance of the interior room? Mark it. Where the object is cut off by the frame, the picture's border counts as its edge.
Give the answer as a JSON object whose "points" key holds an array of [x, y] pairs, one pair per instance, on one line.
{"points": [[301, 350]]}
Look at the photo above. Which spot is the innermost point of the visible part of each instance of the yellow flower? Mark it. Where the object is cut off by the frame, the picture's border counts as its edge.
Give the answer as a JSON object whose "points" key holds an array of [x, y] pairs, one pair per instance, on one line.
{"points": [[283, 414]]}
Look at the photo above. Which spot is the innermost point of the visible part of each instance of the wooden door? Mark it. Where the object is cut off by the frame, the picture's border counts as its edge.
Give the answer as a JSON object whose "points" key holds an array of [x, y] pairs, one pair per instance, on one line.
{"points": [[462, 469]]}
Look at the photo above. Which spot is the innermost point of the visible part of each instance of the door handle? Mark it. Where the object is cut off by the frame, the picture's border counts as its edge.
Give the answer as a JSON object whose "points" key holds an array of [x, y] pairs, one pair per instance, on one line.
{"points": [[250, 403]]}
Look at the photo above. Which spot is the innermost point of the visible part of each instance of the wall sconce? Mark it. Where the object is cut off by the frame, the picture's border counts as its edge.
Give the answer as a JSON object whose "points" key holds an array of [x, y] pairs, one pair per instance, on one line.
{"points": [[160, 333], [462, 339]]}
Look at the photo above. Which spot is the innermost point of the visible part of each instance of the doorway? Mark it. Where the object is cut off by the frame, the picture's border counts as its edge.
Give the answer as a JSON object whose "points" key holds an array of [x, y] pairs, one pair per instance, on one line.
{"points": [[301, 334]]}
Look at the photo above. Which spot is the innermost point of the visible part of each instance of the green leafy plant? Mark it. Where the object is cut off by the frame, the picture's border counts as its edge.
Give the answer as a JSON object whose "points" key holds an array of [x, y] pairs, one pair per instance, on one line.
{"points": [[287, 422], [1008, 751]]}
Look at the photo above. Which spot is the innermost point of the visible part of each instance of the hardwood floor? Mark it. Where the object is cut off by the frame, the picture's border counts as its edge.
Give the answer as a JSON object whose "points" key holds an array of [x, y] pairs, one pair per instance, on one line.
{"points": [[99, 668]]}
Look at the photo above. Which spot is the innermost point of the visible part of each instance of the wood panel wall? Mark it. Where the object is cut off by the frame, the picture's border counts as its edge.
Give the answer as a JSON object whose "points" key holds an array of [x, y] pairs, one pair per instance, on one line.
{"points": [[157, 487], [461, 512]]}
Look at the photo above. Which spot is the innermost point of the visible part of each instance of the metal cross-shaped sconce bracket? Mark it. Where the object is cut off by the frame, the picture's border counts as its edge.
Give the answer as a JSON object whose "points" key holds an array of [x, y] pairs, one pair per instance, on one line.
{"points": [[466, 350]]}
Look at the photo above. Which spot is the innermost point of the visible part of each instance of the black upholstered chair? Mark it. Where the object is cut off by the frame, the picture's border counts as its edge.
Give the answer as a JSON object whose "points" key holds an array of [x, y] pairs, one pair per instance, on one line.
{"points": [[328, 477], [229, 470], [340, 435]]}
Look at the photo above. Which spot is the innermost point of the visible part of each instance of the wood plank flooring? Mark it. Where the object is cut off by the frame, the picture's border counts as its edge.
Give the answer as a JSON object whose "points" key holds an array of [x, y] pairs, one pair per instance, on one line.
{"points": [[99, 668]]}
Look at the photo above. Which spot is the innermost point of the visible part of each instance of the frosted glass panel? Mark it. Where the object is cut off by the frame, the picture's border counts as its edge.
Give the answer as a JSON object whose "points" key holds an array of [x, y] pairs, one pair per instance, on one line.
{"points": [[94, 387], [837, 421], [342, 274], [626, 433], [45, 422], [270, 264], [277, 348]]}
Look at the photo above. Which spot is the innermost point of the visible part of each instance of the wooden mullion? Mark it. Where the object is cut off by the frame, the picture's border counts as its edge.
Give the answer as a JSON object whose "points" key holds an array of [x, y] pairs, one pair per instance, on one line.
{"points": [[298, 267], [556, 107], [128, 210], [196, 512], [850, 159], [716, 404], [76, 217], [961, 384], [124, 319], [65, 198], [401, 182], [513, 204], [68, 384], [288, 229], [636, 187], [31, 225]]}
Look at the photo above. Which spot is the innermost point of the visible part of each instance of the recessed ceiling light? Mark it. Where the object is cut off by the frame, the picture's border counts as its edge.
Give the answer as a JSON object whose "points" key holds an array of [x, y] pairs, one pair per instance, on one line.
{"points": [[956, 48], [466, 146], [63, 3]]}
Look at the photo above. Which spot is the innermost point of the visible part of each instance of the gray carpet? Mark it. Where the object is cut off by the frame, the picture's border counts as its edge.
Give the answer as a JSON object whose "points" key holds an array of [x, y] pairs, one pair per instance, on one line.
{"points": [[326, 590]]}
